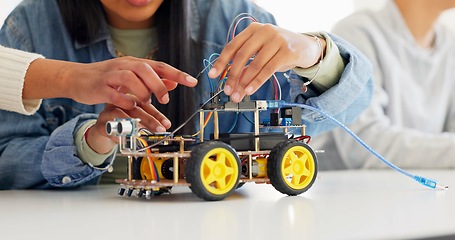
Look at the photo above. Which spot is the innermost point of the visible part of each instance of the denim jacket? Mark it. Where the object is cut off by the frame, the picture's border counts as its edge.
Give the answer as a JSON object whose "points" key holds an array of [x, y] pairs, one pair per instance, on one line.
{"points": [[38, 151]]}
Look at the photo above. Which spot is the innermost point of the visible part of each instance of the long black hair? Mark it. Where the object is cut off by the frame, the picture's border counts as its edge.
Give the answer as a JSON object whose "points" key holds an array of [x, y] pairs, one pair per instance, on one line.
{"points": [[84, 20]]}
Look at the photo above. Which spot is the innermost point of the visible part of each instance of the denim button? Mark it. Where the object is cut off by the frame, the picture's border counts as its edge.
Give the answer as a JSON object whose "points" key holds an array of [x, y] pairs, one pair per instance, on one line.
{"points": [[66, 179]]}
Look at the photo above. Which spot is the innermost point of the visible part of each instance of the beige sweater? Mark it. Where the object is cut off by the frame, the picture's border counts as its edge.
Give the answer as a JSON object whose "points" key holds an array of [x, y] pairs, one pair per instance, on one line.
{"points": [[13, 66]]}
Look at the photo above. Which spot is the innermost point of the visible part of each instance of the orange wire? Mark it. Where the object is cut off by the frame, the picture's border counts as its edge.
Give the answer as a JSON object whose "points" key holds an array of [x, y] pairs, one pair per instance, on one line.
{"points": [[206, 121], [151, 165]]}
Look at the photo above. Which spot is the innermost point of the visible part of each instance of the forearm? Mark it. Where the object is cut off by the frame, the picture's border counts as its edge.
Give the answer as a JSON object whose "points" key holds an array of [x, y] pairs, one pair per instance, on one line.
{"points": [[47, 78], [407, 148]]}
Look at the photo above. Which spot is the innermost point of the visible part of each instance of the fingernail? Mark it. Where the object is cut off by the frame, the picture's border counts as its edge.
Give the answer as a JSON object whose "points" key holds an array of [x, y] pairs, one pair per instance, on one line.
{"points": [[227, 89], [166, 123], [165, 98], [160, 129], [235, 97], [212, 72], [249, 90], [191, 79]]}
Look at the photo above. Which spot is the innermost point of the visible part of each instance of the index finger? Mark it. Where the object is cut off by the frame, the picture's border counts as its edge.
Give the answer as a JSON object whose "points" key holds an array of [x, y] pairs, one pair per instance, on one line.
{"points": [[231, 49], [144, 73], [168, 72]]}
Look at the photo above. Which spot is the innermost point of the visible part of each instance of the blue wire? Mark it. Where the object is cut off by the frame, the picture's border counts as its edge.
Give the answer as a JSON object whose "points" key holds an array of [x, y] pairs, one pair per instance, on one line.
{"points": [[207, 66], [156, 172], [421, 180], [249, 120], [207, 74], [212, 55], [222, 82], [234, 123]]}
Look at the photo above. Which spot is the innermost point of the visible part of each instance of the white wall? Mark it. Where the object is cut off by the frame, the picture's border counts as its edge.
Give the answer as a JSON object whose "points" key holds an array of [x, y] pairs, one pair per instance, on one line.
{"points": [[313, 15], [307, 15], [375, 4], [310, 15], [6, 6]]}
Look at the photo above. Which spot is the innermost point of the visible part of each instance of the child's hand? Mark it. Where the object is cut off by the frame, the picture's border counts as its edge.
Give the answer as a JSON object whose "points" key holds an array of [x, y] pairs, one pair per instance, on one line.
{"points": [[151, 118], [274, 49]]}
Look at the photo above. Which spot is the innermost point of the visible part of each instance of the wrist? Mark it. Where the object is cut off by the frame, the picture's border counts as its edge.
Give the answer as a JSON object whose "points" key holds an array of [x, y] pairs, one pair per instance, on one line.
{"points": [[86, 153], [67, 75], [313, 50], [98, 142]]}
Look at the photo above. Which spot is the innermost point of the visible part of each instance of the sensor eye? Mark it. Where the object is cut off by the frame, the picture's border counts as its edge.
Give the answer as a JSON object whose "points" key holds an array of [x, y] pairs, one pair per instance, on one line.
{"points": [[112, 128], [125, 127]]}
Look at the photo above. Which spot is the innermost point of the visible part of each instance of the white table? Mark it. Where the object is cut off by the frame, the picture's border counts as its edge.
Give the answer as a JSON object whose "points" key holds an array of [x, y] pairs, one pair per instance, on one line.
{"points": [[340, 205]]}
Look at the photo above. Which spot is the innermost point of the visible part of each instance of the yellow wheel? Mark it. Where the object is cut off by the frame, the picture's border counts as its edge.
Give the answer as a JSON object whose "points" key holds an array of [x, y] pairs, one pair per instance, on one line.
{"points": [[292, 167], [213, 170]]}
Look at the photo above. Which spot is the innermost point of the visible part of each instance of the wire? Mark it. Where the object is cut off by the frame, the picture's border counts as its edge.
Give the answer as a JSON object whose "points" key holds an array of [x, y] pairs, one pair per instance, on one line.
{"points": [[152, 167], [206, 121], [236, 20], [156, 171], [305, 138], [234, 123], [421, 180], [207, 63], [205, 68], [183, 124], [249, 120], [278, 93]]}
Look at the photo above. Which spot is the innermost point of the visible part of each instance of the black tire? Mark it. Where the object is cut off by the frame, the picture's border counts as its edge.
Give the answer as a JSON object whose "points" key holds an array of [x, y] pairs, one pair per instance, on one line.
{"points": [[240, 185], [303, 170], [162, 191], [199, 172]]}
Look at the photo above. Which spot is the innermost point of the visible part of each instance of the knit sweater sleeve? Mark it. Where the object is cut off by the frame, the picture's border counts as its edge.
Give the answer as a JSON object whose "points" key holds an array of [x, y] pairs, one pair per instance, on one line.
{"points": [[13, 67]]}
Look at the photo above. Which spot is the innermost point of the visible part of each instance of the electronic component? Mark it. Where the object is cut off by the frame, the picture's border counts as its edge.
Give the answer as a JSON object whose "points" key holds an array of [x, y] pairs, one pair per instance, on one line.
{"points": [[158, 162], [213, 169]]}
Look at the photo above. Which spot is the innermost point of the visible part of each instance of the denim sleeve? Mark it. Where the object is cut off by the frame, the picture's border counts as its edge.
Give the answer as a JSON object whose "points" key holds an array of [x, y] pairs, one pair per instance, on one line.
{"points": [[31, 157], [344, 101], [15, 32]]}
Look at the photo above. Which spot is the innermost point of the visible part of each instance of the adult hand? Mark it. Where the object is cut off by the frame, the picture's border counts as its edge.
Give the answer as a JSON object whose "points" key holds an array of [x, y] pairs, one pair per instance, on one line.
{"points": [[151, 118], [108, 81], [104, 82], [273, 48]]}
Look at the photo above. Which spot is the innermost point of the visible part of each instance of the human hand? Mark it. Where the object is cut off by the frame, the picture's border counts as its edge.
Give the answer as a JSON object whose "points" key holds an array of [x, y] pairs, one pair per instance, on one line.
{"points": [[151, 118], [103, 82], [274, 50], [110, 81]]}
